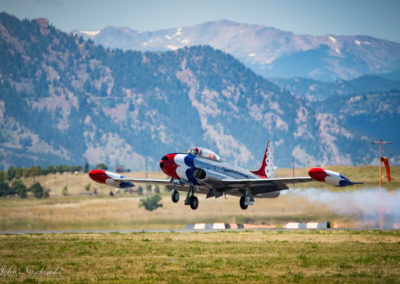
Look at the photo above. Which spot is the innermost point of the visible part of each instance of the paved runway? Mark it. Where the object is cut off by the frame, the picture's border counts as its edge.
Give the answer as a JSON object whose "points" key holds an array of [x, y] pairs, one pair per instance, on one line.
{"points": [[127, 231]]}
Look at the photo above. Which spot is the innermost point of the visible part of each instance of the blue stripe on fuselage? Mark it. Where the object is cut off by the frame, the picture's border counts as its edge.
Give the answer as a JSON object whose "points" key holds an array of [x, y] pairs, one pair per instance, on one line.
{"points": [[189, 161], [190, 176]]}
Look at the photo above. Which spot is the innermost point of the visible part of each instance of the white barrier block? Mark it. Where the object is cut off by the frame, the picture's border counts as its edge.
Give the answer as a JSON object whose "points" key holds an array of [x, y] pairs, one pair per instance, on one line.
{"points": [[312, 225], [200, 226], [292, 225], [219, 226]]}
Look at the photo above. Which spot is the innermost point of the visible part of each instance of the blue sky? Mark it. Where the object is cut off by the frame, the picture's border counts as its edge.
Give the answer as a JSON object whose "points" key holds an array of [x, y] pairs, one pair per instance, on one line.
{"points": [[378, 18]]}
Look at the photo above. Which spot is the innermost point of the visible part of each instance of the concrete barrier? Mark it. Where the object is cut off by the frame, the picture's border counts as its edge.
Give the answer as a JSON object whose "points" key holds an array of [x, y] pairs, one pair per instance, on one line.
{"points": [[309, 225], [223, 226]]}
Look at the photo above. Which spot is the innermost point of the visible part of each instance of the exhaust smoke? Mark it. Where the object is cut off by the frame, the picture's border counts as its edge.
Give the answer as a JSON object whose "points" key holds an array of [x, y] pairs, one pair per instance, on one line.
{"points": [[362, 204]]}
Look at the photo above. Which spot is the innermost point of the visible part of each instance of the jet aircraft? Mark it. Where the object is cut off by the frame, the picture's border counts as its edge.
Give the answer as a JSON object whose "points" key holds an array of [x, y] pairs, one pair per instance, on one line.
{"points": [[199, 170]]}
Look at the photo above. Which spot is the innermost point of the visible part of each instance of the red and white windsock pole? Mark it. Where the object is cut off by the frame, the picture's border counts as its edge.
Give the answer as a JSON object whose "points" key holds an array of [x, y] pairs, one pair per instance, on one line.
{"points": [[380, 142]]}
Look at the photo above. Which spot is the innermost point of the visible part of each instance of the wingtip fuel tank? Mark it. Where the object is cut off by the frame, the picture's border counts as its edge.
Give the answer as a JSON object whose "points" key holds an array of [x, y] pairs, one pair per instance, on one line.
{"points": [[108, 178], [330, 177]]}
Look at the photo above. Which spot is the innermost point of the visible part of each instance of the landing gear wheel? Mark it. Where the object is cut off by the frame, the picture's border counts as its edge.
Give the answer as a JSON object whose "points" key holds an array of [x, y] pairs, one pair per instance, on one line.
{"points": [[175, 196], [194, 202], [243, 205]]}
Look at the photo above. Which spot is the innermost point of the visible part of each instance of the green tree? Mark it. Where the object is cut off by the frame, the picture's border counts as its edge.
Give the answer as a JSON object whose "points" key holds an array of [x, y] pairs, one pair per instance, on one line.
{"points": [[35, 171], [76, 169], [140, 190], [50, 169], [10, 173], [151, 203], [148, 188], [157, 189], [60, 169], [101, 166], [18, 172], [4, 188], [19, 188], [25, 173], [38, 191]]}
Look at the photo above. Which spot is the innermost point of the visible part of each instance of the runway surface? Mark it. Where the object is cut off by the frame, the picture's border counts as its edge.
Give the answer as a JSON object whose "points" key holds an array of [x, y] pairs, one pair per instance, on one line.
{"points": [[127, 231]]}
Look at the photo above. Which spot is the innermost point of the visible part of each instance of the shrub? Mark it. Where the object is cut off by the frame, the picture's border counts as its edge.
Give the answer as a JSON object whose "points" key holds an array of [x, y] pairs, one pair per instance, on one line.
{"points": [[65, 191], [19, 188], [101, 166], [38, 191], [151, 203], [140, 190]]}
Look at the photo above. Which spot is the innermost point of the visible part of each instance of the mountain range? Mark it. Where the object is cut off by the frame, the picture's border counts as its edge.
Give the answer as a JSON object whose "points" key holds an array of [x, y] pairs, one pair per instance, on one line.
{"points": [[315, 91], [66, 100], [268, 51]]}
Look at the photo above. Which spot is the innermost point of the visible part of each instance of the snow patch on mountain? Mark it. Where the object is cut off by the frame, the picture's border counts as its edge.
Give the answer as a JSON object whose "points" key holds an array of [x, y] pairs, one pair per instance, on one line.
{"points": [[90, 33], [332, 39]]}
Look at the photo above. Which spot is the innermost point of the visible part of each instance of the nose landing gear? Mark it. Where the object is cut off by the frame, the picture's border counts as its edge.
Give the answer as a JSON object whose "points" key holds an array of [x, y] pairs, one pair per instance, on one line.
{"points": [[175, 192], [175, 196]]}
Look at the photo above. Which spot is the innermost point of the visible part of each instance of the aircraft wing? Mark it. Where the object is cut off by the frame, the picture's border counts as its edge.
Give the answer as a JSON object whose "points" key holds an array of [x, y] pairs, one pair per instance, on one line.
{"points": [[241, 182], [264, 185]]}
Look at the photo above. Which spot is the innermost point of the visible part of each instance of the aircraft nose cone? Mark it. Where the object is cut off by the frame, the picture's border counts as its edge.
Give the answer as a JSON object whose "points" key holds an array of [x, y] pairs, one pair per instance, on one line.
{"points": [[168, 165], [163, 159]]}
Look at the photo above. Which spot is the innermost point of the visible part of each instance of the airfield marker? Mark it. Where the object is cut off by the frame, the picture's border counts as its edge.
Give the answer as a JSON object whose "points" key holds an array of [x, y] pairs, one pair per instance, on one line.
{"points": [[380, 142]]}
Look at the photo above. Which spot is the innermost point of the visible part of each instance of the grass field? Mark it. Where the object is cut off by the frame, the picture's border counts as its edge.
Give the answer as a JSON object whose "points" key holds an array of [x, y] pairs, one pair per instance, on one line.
{"points": [[222, 257]]}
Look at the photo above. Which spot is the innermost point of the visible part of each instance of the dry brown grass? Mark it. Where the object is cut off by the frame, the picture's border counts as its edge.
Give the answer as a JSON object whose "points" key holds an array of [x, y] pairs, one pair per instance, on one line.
{"points": [[124, 212]]}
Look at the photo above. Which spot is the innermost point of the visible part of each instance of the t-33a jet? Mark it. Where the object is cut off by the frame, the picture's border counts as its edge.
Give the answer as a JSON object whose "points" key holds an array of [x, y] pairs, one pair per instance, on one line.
{"points": [[199, 170]]}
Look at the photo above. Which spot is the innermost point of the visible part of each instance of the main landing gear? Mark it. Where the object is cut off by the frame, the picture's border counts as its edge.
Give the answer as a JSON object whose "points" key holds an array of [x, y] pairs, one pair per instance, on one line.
{"points": [[191, 199], [243, 203], [246, 200]]}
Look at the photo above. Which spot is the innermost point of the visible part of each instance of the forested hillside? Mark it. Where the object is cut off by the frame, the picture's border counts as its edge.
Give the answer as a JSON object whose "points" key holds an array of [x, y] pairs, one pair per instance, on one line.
{"points": [[316, 90]]}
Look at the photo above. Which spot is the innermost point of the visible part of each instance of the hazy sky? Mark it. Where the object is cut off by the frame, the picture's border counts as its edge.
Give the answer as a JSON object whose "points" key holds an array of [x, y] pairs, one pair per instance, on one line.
{"points": [[378, 18]]}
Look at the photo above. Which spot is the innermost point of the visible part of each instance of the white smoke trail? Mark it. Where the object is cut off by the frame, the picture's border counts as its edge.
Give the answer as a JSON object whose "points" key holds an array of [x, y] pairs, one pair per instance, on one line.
{"points": [[364, 203]]}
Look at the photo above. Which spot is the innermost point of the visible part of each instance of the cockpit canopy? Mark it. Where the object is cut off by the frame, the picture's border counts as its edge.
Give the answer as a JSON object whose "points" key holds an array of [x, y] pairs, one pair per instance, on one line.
{"points": [[203, 152]]}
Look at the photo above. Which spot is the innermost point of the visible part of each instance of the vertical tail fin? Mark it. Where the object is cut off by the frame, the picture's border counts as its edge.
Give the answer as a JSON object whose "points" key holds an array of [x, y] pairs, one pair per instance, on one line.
{"points": [[267, 166]]}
